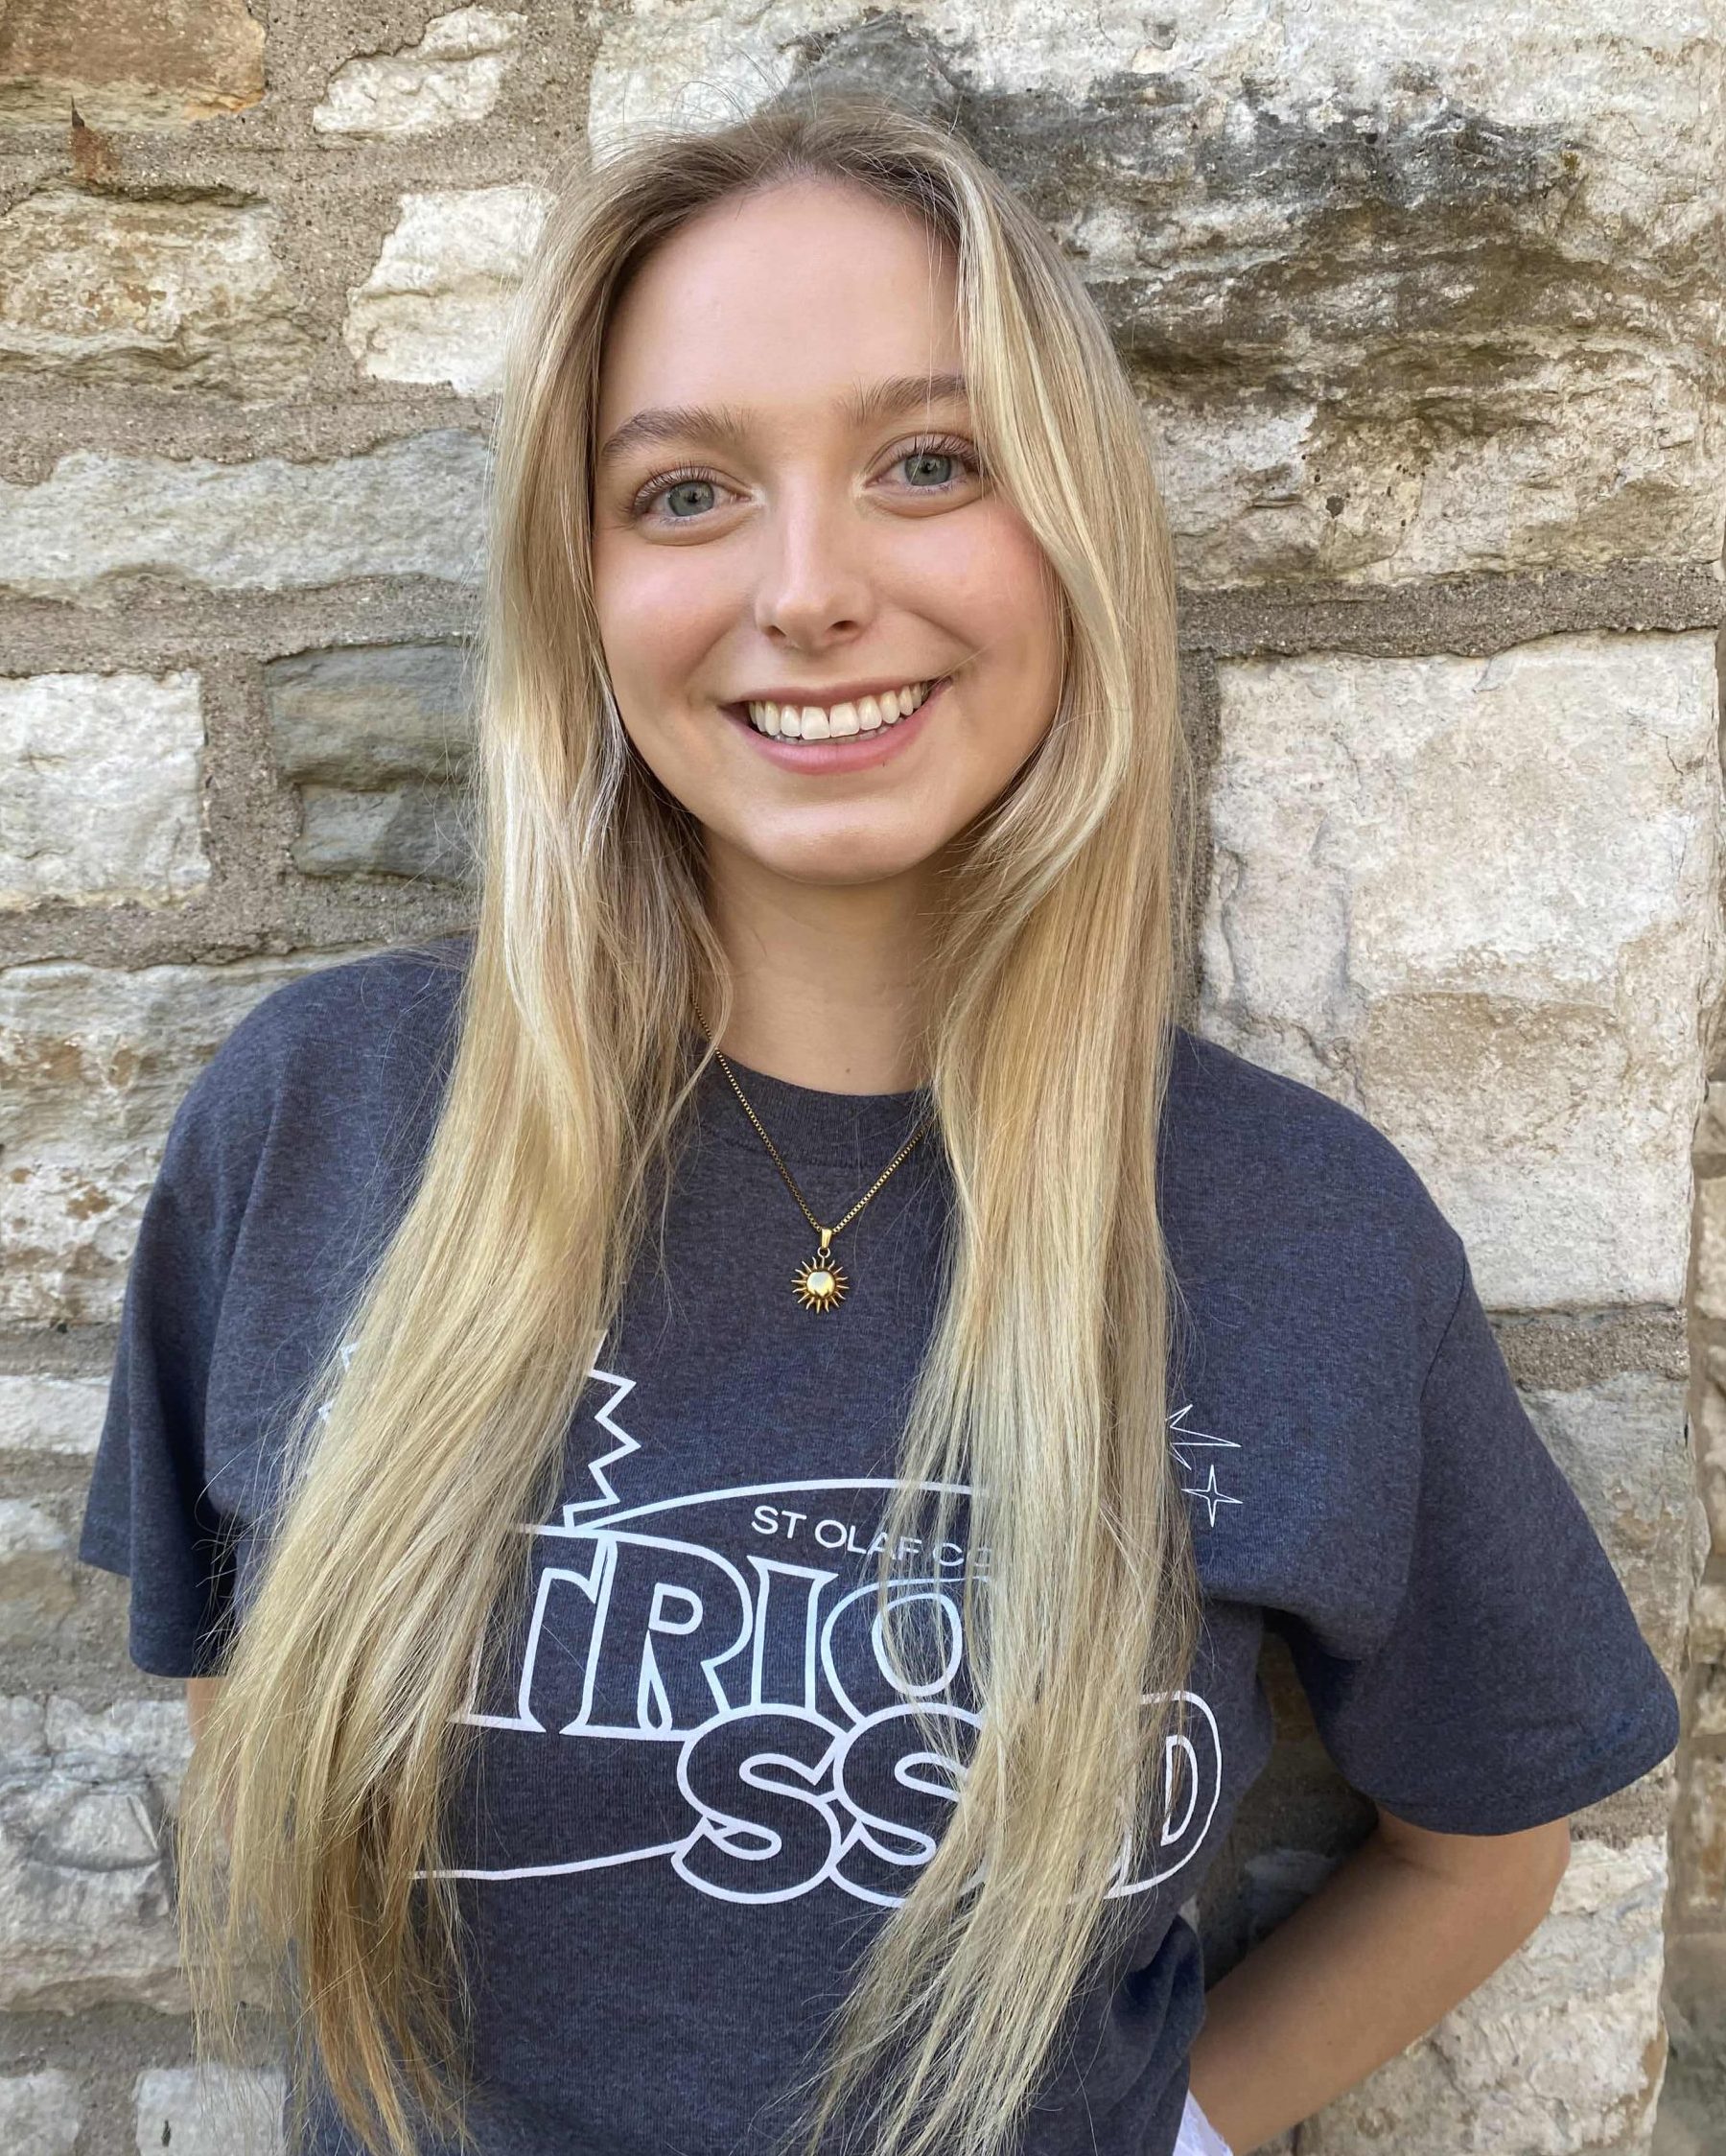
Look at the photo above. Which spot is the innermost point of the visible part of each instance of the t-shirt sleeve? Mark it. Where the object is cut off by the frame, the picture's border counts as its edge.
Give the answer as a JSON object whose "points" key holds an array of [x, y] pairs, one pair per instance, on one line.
{"points": [[1513, 1685], [149, 1512]]}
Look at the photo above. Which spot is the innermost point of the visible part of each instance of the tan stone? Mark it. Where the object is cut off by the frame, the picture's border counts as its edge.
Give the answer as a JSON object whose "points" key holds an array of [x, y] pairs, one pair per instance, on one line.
{"points": [[1702, 1870], [101, 788], [449, 79], [112, 289], [436, 307], [1475, 899], [129, 65], [409, 508], [93, 1063]]}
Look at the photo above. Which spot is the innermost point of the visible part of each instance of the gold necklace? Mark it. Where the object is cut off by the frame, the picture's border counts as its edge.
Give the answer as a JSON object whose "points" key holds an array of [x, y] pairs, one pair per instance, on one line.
{"points": [[821, 1283]]}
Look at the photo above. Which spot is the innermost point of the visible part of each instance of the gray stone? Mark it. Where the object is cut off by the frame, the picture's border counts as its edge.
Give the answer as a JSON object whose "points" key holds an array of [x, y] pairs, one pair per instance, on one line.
{"points": [[409, 508], [210, 2110], [1477, 900], [39, 2114], [1702, 1837], [101, 783], [372, 715], [449, 79], [410, 830], [1407, 289], [126, 66], [1557, 2052], [85, 1809], [113, 289], [93, 1063], [436, 307], [39, 1586], [51, 1415], [1623, 1448]]}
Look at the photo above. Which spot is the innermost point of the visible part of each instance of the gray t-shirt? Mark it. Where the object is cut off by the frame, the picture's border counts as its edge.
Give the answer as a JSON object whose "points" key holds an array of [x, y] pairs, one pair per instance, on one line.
{"points": [[696, 1788]]}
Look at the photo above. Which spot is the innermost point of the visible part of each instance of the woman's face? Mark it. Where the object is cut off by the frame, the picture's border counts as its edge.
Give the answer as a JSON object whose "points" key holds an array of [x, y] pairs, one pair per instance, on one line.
{"points": [[784, 514]]}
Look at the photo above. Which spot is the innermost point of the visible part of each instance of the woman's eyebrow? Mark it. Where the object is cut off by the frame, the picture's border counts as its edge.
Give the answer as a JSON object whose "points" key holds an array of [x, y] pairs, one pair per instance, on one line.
{"points": [[886, 399]]}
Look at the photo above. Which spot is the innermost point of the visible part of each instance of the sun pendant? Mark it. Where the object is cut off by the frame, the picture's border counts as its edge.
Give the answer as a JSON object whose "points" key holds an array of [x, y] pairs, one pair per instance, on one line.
{"points": [[819, 1285]]}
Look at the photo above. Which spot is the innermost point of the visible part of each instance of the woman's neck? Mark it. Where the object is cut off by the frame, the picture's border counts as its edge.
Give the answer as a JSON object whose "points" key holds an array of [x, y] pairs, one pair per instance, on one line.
{"points": [[826, 979]]}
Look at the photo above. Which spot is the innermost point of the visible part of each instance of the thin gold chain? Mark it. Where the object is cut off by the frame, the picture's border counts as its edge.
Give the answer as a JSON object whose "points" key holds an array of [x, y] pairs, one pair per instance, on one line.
{"points": [[826, 1233]]}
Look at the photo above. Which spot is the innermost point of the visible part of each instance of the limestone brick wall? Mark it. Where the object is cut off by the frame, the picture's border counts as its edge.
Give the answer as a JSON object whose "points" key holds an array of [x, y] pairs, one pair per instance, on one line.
{"points": [[1425, 307]]}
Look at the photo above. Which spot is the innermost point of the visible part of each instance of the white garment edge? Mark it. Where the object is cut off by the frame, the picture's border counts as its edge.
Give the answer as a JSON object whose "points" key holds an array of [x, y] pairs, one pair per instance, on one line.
{"points": [[1198, 2136]]}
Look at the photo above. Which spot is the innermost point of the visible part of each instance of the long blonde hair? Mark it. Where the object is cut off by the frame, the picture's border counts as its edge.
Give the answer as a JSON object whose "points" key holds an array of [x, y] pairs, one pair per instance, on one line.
{"points": [[315, 1810]]}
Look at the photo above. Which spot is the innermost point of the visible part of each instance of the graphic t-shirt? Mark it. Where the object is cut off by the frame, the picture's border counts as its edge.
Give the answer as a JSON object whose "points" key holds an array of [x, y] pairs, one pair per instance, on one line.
{"points": [[698, 1785]]}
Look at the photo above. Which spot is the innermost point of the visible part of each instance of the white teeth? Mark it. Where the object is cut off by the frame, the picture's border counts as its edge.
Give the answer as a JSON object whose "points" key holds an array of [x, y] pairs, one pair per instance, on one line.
{"points": [[812, 722]]}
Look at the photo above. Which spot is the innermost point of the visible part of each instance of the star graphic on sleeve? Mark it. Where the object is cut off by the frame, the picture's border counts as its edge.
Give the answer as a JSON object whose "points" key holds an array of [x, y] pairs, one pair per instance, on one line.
{"points": [[1210, 1496]]}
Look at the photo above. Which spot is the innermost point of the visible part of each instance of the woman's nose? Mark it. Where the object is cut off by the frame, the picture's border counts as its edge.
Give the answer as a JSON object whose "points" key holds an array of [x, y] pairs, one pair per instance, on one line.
{"points": [[813, 579]]}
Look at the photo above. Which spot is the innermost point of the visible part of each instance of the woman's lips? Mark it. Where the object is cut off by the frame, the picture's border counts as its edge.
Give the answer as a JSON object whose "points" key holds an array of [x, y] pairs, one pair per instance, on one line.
{"points": [[851, 752]]}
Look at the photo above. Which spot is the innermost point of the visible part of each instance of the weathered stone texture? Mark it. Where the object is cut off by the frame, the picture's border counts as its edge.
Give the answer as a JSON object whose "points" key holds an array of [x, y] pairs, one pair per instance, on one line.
{"points": [[85, 1804], [93, 1064], [1409, 290], [101, 779], [111, 288], [1623, 1449], [39, 2114], [210, 2110], [436, 306], [1558, 2051], [1703, 1825], [1476, 901], [125, 66], [51, 1415], [377, 739], [449, 79], [409, 508]]}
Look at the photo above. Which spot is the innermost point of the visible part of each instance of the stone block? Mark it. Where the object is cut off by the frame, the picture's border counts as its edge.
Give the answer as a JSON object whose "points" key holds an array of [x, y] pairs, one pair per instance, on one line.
{"points": [[210, 2110], [1702, 1837], [38, 1573], [436, 307], [126, 66], [115, 289], [1408, 291], [54, 1416], [1625, 1449], [93, 1063], [85, 1809], [1475, 899], [40, 2113], [1558, 2052], [101, 783], [372, 715], [449, 78], [417, 831], [98, 521]]}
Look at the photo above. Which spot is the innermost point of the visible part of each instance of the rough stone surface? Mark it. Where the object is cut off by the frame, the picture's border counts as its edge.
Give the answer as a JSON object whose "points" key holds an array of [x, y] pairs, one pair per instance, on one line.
{"points": [[209, 2110], [1711, 1427], [1623, 1448], [111, 288], [1475, 898], [449, 79], [377, 739], [38, 1588], [93, 1063], [1703, 1825], [409, 508], [101, 779], [125, 66], [1461, 265], [39, 2114], [369, 716], [436, 307], [85, 1804], [1558, 2051], [54, 1416]]}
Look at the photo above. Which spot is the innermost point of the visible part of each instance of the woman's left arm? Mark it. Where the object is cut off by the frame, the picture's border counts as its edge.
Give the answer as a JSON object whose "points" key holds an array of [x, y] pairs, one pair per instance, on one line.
{"points": [[1401, 1931]]}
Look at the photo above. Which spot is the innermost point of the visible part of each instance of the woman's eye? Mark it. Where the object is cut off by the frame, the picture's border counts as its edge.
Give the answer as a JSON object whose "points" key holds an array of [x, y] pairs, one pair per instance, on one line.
{"points": [[676, 489], [940, 457], [685, 497]]}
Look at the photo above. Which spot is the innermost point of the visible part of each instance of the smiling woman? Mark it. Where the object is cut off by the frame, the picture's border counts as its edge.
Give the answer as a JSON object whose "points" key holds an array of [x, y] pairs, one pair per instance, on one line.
{"points": [[776, 1683]]}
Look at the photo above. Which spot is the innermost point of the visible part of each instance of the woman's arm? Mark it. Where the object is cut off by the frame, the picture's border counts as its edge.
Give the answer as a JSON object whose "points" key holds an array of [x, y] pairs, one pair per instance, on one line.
{"points": [[1408, 1925]]}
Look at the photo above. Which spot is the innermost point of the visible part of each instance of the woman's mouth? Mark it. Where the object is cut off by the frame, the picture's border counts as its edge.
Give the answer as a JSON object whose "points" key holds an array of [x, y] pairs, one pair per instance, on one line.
{"points": [[845, 736]]}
